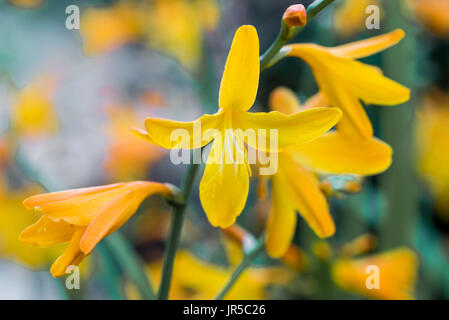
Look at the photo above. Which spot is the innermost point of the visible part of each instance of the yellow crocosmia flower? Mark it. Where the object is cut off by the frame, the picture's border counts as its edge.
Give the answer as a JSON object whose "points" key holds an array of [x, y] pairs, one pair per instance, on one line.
{"points": [[295, 186], [432, 143], [33, 112], [195, 279], [433, 14], [83, 217], [105, 29], [351, 15], [127, 157], [389, 276], [344, 81], [224, 185]]}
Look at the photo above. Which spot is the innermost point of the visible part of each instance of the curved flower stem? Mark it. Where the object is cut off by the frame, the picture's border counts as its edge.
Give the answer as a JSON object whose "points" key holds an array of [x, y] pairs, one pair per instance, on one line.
{"points": [[287, 33], [175, 229], [246, 262]]}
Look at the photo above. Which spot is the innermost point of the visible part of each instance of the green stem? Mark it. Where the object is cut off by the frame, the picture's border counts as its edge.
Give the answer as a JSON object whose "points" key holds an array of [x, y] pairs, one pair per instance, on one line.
{"points": [[287, 33], [130, 264], [246, 262], [175, 230]]}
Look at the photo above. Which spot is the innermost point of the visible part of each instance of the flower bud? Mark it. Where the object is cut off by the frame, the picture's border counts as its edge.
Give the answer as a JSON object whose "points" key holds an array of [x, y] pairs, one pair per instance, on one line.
{"points": [[295, 16]]}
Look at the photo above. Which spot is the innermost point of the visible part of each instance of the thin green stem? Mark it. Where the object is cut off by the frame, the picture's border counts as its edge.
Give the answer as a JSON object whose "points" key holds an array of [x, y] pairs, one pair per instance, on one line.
{"points": [[130, 264], [246, 262], [175, 230], [287, 33]]}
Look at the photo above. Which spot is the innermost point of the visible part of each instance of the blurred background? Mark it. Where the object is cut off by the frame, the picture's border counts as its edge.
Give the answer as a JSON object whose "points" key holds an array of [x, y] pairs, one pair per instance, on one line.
{"points": [[68, 97]]}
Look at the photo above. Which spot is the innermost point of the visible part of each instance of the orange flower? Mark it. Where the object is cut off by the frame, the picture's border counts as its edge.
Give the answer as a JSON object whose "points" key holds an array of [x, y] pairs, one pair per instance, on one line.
{"points": [[84, 217]]}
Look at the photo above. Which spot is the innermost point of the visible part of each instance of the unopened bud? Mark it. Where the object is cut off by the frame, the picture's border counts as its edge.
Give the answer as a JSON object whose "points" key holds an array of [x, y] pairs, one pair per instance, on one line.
{"points": [[295, 16]]}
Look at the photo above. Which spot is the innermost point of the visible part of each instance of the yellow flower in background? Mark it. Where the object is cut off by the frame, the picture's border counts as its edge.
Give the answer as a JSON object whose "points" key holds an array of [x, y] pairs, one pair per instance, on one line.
{"points": [[26, 4], [225, 182], [397, 271], [295, 186], [350, 17], [83, 217], [104, 29], [432, 143], [433, 14], [13, 219], [127, 157], [344, 81], [33, 112]]}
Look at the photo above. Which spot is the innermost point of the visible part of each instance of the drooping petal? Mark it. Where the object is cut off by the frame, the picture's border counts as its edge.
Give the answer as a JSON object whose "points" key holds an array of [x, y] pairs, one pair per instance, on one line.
{"points": [[71, 256], [284, 100], [274, 131], [370, 46], [340, 154], [304, 192], [240, 79], [225, 182], [170, 134], [281, 221], [46, 232]]}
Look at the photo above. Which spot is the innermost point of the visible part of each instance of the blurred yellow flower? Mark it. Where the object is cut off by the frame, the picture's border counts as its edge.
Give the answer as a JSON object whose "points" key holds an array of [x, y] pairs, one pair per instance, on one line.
{"points": [[127, 157], [26, 4], [397, 271], [344, 81], [33, 112], [433, 14], [432, 143], [295, 186], [84, 217], [225, 182], [350, 17]]}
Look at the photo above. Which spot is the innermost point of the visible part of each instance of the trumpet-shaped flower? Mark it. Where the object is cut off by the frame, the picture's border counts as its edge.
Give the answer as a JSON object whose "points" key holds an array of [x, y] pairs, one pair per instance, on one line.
{"points": [[295, 186], [83, 217], [391, 274], [344, 81], [225, 182]]}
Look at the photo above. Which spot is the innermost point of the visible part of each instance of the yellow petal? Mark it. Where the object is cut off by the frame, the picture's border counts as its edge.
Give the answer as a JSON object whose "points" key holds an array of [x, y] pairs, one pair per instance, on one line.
{"points": [[284, 100], [294, 129], [281, 221], [316, 101], [46, 232], [182, 135], [71, 256], [344, 154], [225, 182], [303, 190], [240, 79], [370, 46]]}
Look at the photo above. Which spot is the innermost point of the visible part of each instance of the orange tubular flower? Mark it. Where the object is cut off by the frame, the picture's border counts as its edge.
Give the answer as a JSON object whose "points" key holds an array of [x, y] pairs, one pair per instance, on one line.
{"points": [[344, 81], [84, 216]]}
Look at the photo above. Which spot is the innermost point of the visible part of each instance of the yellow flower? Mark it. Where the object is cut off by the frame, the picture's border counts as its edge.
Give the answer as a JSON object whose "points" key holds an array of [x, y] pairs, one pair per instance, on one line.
{"points": [[433, 14], [84, 217], [26, 4], [350, 16], [432, 141], [34, 112], [225, 182], [127, 157], [344, 81], [105, 29], [295, 186], [396, 274]]}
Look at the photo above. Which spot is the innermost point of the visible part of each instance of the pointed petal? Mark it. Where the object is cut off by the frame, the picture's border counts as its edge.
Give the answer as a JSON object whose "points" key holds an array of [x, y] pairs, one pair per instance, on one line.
{"points": [[182, 135], [304, 192], [225, 183], [284, 100], [344, 154], [281, 221], [240, 79], [71, 256], [46, 232], [294, 129], [370, 46]]}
